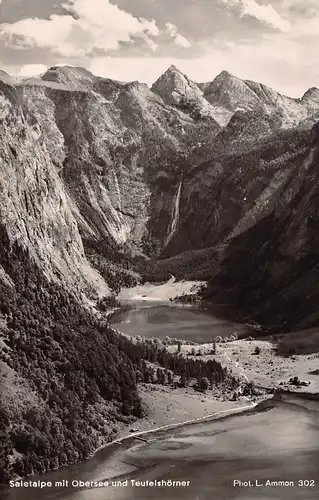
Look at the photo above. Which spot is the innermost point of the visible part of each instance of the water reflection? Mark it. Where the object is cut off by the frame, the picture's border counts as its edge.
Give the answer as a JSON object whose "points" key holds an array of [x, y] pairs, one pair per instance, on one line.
{"points": [[182, 322]]}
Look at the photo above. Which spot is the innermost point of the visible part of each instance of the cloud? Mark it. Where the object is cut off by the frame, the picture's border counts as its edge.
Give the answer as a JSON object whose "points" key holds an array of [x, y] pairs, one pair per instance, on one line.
{"points": [[89, 24], [32, 69], [264, 13], [179, 40], [85, 27]]}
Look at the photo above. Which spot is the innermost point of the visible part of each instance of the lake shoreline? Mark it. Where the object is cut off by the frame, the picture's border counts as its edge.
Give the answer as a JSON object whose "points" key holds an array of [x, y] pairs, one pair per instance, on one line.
{"points": [[267, 370], [124, 436], [260, 405], [182, 405]]}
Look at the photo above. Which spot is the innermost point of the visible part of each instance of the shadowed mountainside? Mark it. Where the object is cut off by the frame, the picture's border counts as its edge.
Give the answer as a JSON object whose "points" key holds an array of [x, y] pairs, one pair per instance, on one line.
{"points": [[269, 273]]}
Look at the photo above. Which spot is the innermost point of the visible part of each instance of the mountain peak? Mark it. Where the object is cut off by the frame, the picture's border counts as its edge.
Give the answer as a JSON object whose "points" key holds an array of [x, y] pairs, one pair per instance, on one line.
{"points": [[71, 76], [229, 91], [176, 89], [69, 69], [173, 69], [311, 94], [6, 78], [223, 78], [171, 73], [173, 84], [225, 75]]}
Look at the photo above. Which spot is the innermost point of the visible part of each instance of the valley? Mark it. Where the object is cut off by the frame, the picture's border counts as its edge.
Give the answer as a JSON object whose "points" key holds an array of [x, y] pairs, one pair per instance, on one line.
{"points": [[119, 191]]}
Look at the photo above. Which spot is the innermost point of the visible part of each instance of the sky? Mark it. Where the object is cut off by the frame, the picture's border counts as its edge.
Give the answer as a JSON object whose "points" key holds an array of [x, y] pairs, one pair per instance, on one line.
{"points": [[270, 41]]}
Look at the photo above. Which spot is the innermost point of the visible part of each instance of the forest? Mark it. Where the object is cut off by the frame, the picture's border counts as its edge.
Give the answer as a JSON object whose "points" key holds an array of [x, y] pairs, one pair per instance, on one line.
{"points": [[83, 374]]}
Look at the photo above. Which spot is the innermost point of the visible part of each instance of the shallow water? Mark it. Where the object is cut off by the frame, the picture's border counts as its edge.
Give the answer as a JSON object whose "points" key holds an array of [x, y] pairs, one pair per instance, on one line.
{"points": [[161, 320], [278, 443]]}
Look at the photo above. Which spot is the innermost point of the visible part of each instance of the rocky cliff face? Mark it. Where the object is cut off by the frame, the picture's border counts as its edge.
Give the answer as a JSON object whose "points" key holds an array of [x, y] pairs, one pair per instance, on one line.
{"points": [[34, 204], [224, 196]]}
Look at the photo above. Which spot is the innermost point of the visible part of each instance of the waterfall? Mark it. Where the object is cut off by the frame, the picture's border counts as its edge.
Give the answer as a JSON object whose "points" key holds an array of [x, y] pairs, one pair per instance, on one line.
{"points": [[118, 192], [175, 215]]}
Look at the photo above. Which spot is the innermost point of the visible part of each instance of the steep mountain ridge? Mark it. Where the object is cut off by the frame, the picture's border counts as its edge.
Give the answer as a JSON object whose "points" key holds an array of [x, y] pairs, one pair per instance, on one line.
{"points": [[176, 89], [311, 101], [235, 94], [227, 94], [74, 78], [230, 92]]}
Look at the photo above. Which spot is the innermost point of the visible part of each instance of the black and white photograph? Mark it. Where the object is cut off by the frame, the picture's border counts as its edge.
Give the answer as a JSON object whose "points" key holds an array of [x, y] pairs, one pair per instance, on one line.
{"points": [[159, 249]]}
